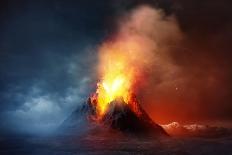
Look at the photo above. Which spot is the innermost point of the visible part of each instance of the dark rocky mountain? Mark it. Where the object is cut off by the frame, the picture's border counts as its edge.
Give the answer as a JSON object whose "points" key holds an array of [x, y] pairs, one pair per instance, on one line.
{"points": [[120, 116], [126, 118], [78, 121]]}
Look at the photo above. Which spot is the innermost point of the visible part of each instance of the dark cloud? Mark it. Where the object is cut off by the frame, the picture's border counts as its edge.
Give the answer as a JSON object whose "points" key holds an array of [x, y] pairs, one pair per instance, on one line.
{"points": [[207, 59], [204, 65], [200, 73], [47, 60]]}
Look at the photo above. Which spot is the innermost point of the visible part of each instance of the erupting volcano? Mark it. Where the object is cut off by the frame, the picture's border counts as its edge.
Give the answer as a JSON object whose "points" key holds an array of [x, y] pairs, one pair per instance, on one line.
{"points": [[125, 61], [129, 118], [122, 64], [120, 70]]}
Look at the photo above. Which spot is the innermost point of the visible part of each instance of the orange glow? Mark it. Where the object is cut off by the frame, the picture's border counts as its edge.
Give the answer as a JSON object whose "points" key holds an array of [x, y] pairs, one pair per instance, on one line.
{"points": [[117, 72], [123, 62], [111, 88]]}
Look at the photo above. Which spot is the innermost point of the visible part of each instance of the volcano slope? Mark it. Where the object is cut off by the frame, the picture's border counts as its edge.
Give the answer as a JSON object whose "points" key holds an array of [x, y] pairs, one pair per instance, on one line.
{"points": [[126, 118]]}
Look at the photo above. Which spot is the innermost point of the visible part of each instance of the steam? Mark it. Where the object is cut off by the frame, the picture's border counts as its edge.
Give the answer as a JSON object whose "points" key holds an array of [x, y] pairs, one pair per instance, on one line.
{"points": [[182, 77], [144, 38]]}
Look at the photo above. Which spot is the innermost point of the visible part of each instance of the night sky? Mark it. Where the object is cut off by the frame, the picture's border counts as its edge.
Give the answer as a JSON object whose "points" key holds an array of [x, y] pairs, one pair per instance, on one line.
{"points": [[48, 58]]}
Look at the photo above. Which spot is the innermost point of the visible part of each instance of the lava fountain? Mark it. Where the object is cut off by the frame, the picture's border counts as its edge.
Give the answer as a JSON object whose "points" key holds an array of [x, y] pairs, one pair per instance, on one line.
{"points": [[118, 72]]}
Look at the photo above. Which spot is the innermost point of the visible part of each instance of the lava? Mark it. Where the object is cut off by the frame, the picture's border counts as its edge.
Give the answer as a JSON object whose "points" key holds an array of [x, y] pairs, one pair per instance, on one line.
{"points": [[117, 71]]}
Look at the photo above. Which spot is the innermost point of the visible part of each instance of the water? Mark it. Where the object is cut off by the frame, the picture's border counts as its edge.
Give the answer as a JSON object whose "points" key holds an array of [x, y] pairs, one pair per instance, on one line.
{"points": [[107, 143]]}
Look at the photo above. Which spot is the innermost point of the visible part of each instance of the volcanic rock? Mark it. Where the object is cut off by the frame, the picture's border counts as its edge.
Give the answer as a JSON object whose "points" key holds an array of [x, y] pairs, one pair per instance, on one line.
{"points": [[120, 116], [78, 121]]}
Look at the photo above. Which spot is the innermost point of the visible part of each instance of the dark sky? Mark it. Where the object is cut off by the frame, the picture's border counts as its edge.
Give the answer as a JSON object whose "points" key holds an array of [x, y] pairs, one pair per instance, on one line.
{"points": [[48, 58], [205, 60]]}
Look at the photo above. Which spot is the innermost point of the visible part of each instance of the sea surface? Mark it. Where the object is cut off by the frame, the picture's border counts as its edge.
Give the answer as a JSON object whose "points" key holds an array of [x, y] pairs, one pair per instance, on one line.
{"points": [[107, 143]]}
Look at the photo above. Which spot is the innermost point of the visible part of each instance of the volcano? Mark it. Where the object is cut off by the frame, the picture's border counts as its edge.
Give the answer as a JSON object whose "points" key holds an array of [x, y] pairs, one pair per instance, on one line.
{"points": [[128, 118], [122, 117]]}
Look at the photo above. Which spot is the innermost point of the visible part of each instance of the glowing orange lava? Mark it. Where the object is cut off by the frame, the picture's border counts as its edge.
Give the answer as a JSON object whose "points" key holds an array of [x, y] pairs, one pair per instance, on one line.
{"points": [[118, 72]]}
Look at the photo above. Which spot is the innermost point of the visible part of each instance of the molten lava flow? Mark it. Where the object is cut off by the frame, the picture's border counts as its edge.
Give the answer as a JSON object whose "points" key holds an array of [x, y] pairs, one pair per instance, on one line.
{"points": [[116, 82], [118, 72], [124, 61], [110, 89]]}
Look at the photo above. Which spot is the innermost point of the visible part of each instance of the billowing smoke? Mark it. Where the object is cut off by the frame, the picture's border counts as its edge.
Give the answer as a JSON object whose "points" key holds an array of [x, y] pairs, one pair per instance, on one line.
{"points": [[186, 68], [141, 45]]}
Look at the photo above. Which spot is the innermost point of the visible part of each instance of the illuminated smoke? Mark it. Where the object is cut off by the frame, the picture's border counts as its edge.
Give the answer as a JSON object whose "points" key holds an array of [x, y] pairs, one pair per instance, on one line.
{"points": [[135, 53]]}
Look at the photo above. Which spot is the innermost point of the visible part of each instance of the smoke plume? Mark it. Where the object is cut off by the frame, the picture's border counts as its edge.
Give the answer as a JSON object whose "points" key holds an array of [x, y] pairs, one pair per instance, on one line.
{"points": [[143, 39]]}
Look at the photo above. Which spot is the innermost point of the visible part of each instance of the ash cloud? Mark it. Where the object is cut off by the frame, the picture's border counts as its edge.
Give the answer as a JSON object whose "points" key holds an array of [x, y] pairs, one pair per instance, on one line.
{"points": [[155, 34], [203, 59], [144, 37], [190, 77]]}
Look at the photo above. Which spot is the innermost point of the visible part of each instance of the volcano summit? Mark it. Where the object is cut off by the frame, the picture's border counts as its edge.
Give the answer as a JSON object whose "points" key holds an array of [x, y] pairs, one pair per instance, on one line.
{"points": [[128, 118]]}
